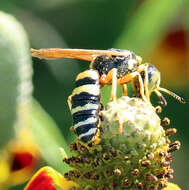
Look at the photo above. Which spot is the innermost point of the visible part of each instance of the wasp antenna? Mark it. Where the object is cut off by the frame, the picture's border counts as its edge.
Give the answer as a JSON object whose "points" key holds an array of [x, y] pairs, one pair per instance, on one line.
{"points": [[161, 97], [181, 100]]}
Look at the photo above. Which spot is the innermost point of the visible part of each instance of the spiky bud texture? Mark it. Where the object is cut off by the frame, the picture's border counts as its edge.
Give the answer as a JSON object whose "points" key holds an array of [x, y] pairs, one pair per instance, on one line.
{"points": [[134, 153]]}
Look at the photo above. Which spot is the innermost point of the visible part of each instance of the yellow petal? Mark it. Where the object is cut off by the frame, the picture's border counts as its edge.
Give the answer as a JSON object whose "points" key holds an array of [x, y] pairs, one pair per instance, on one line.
{"points": [[172, 186], [48, 179], [4, 174]]}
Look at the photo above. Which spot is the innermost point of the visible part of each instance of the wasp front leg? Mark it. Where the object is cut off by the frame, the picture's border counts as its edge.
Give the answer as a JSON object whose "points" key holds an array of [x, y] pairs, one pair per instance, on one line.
{"points": [[161, 97], [129, 77], [146, 83], [141, 87]]}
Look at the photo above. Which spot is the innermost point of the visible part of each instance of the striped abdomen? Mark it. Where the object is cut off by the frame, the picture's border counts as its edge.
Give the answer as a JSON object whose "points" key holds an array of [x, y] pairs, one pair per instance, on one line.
{"points": [[85, 105]]}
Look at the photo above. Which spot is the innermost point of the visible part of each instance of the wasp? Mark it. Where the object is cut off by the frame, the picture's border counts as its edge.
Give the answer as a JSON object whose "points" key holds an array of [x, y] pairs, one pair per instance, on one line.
{"points": [[107, 67]]}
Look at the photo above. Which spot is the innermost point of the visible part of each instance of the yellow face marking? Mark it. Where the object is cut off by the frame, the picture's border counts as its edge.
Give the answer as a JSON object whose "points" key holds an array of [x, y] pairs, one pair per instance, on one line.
{"points": [[139, 59], [88, 73], [131, 63], [89, 88]]}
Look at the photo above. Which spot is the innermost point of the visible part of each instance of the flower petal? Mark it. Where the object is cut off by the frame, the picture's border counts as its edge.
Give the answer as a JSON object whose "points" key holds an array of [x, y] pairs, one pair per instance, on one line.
{"points": [[24, 157], [172, 186], [48, 179], [4, 174]]}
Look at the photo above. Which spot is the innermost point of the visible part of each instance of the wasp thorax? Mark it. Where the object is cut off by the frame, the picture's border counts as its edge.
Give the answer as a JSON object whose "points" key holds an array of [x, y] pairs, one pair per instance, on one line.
{"points": [[134, 153], [124, 64]]}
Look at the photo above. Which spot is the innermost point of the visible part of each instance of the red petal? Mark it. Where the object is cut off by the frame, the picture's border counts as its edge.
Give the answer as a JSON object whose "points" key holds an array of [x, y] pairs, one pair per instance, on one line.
{"points": [[42, 181], [48, 179], [22, 160]]}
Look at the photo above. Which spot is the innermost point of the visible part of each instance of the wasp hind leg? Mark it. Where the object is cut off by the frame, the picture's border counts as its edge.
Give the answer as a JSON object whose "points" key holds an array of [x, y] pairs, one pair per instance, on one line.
{"points": [[110, 78], [125, 91]]}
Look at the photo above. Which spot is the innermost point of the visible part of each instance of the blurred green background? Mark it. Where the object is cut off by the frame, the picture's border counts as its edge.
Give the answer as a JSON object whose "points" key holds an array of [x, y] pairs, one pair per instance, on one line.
{"points": [[157, 30]]}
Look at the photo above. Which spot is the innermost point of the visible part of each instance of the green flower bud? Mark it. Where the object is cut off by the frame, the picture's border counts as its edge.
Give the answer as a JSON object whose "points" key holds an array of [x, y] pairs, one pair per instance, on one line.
{"points": [[134, 153]]}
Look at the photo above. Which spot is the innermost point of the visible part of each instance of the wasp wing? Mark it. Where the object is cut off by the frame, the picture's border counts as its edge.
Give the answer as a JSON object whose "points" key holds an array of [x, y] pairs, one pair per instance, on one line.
{"points": [[82, 54]]}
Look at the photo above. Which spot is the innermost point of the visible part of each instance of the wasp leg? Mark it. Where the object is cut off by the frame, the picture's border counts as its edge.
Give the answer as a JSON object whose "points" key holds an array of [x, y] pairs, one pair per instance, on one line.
{"points": [[106, 79], [129, 77], [70, 102], [96, 139], [141, 88], [72, 129], [160, 96], [125, 92], [146, 83], [114, 84]]}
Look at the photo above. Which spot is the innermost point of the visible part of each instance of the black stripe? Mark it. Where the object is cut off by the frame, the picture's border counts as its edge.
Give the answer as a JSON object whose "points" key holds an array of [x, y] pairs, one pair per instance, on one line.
{"points": [[85, 128], [81, 118], [86, 112], [77, 103], [85, 96], [87, 138], [86, 80]]}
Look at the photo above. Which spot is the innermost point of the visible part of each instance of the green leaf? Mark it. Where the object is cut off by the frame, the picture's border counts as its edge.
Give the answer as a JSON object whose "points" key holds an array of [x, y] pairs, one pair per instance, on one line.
{"points": [[15, 74], [48, 137], [148, 25]]}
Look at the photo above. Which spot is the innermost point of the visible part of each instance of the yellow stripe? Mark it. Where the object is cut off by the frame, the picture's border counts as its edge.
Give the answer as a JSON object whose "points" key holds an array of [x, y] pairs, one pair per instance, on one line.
{"points": [[88, 73], [89, 88], [85, 107], [90, 132], [87, 121]]}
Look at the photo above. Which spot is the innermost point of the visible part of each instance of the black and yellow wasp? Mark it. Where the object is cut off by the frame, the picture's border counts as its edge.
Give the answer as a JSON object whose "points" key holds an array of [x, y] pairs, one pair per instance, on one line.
{"points": [[107, 67]]}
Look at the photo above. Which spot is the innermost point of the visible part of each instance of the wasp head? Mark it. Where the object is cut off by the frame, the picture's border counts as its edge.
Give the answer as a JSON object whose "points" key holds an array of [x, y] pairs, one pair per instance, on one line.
{"points": [[154, 79]]}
